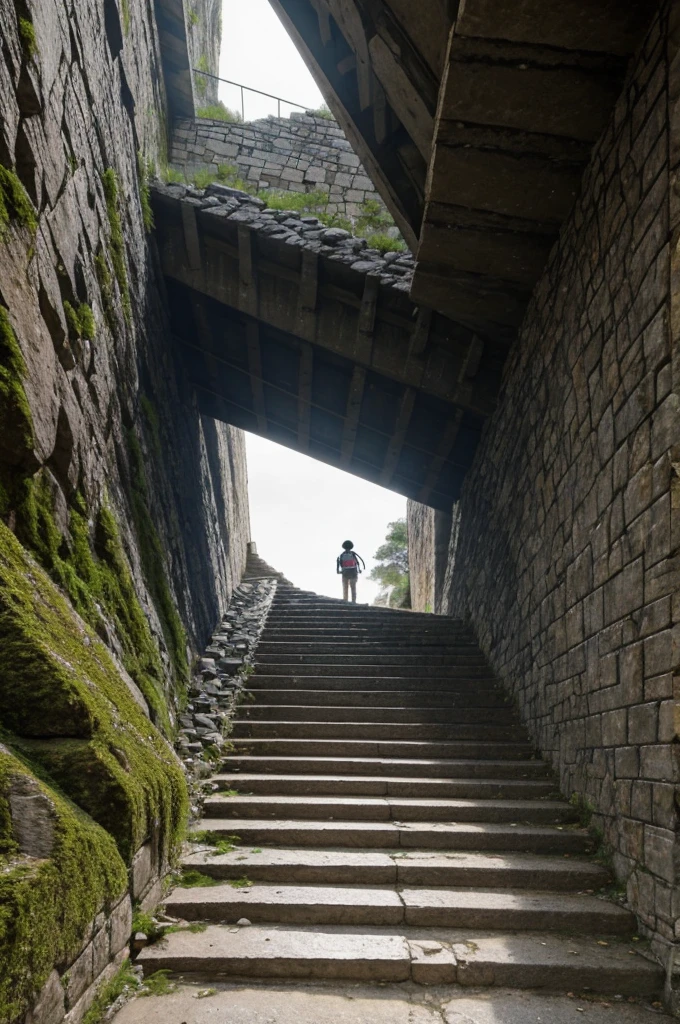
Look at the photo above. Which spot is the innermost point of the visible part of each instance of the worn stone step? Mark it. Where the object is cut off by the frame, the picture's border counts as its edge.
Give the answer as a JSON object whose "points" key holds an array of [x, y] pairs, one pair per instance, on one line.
{"points": [[396, 635], [407, 867], [354, 785], [373, 647], [419, 675], [281, 690], [259, 729], [250, 712], [539, 961], [367, 693], [456, 666], [384, 748], [401, 767], [381, 834], [388, 809], [431, 908]]}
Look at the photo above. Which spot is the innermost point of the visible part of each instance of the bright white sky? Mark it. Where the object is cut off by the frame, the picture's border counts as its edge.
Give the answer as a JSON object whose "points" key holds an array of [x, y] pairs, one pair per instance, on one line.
{"points": [[301, 510], [257, 51]]}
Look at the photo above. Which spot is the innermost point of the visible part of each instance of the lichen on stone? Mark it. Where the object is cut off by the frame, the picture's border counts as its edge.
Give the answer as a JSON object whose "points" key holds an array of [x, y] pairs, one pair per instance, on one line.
{"points": [[46, 906], [116, 240], [60, 685], [15, 204]]}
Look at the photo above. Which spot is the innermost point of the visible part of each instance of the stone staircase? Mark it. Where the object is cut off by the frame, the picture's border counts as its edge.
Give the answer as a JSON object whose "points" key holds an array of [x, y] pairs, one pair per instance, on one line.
{"points": [[394, 824]]}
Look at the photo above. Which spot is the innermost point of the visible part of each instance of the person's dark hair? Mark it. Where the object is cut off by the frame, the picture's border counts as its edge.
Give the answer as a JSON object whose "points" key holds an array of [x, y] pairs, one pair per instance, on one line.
{"points": [[347, 545]]}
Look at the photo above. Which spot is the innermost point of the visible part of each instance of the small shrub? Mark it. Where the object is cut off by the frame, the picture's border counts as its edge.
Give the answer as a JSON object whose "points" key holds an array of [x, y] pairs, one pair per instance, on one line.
{"points": [[385, 243], [219, 112], [172, 176], [143, 922], [322, 111]]}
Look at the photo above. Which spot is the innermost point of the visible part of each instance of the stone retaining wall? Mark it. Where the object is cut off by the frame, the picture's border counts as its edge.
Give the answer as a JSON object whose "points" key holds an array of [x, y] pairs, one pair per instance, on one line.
{"points": [[302, 153], [567, 558]]}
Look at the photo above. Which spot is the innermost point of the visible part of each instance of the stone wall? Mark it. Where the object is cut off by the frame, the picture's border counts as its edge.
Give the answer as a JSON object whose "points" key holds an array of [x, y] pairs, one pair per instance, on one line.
{"points": [[133, 504], [204, 37], [302, 153], [429, 534], [567, 556]]}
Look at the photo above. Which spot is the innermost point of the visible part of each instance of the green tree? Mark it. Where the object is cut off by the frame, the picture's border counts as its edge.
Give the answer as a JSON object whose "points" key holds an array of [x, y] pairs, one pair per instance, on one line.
{"points": [[391, 572]]}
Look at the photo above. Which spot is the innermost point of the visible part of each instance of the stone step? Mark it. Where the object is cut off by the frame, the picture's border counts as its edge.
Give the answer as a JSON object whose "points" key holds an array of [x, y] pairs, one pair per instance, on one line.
{"points": [[408, 867], [416, 835], [457, 666], [280, 690], [418, 672], [373, 647], [389, 766], [395, 634], [538, 961], [356, 785], [384, 748], [347, 808], [375, 730], [430, 908], [408, 716]]}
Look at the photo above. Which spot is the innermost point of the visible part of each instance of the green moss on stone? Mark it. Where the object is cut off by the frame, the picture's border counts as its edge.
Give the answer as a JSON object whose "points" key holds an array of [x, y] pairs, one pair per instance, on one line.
{"points": [[46, 906], [61, 684], [219, 112], [16, 422], [105, 282], [144, 173], [200, 80], [125, 11], [153, 565], [27, 36], [80, 321], [116, 240], [14, 203]]}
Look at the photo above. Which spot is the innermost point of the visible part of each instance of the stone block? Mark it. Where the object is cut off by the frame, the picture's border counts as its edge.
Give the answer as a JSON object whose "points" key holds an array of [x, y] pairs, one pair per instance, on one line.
{"points": [[120, 925], [624, 593], [658, 653], [290, 174], [627, 762], [49, 1007], [142, 870], [77, 1012], [101, 950], [659, 850], [80, 975], [643, 723], [315, 174], [656, 762], [33, 817], [614, 728]]}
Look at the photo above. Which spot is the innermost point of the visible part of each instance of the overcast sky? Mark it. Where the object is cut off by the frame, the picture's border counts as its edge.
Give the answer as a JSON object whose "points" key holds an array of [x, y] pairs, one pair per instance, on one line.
{"points": [[300, 510], [257, 51]]}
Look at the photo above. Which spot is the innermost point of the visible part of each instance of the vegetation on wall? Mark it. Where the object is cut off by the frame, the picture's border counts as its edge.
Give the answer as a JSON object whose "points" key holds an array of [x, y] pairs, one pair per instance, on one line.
{"points": [[80, 321], [46, 906], [116, 241], [64, 696], [323, 111], [219, 112], [16, 422], [14, 203], [145, 171], [392, 572], [200, 80], [27, 36]]}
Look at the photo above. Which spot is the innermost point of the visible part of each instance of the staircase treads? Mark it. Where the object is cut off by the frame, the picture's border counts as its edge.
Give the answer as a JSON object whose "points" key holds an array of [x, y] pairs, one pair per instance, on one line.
{"points": [[536, 960], [386, 692], [405, 867], [407, 716], [491, 750], [407, 767], [357, 808], [355, 785], [391, 835], [244, 727]]}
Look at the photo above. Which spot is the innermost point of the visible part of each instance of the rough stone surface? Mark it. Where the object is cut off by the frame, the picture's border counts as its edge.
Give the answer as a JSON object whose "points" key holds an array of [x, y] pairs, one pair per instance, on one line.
{"points": [[302, 153], [566, 559]]}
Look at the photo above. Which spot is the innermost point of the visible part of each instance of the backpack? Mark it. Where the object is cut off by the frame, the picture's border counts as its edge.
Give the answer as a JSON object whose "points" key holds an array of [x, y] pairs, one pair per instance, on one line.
{"points": [[348, 560]]}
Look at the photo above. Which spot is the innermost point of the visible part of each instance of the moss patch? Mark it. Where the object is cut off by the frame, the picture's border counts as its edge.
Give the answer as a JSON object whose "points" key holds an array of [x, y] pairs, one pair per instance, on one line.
{"points": [[219, 112], [27, 36], [14, 203], [16, 422], [80, 321], [60, 683], [116, 240], [46, 906], [144, 172], [153, 565], [94, 579]]}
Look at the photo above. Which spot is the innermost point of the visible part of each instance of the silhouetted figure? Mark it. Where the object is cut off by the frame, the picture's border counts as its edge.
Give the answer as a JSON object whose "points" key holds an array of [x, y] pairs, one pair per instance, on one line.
{"points": [[348, 566]]}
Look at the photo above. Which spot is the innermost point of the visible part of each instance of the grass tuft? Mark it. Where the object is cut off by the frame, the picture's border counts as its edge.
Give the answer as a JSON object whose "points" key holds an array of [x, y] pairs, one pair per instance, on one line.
{"points": [[219, 112], [125, 980]]}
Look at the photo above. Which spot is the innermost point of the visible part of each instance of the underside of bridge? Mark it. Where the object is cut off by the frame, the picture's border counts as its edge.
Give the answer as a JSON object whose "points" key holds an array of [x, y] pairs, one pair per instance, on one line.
{"points": [[476, 120]]}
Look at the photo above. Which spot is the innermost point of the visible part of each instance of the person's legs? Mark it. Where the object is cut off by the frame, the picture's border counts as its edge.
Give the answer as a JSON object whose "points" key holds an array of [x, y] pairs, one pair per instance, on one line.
{"points": [[345, 587], [353, 585]]}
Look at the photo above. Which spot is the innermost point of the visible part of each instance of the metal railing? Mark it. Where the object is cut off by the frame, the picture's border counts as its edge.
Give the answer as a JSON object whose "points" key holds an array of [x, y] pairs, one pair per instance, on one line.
{"points": [[246, 88]]}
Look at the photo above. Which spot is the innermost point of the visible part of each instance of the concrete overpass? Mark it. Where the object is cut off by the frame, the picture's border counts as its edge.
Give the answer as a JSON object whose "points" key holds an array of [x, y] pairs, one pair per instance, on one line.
{"points": [[303, 335]]}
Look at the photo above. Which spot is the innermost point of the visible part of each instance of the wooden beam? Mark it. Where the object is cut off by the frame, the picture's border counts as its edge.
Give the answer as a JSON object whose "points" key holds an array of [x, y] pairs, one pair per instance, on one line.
{"points": [[246, 271], [445, 448], [305, 396], [421, 332], [255, 368], [366, 323], [356, 394], [397, 442], [324, 17], [192, 242], [308, 293]]}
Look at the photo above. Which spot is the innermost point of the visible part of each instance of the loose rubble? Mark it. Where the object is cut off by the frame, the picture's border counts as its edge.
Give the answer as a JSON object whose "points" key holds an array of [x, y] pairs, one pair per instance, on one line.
{"points": [[394, 269]]}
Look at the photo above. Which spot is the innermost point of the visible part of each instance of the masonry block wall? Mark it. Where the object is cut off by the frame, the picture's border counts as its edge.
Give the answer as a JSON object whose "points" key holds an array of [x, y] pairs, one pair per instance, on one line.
{"points": [[567, 559], [302, 153]]}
